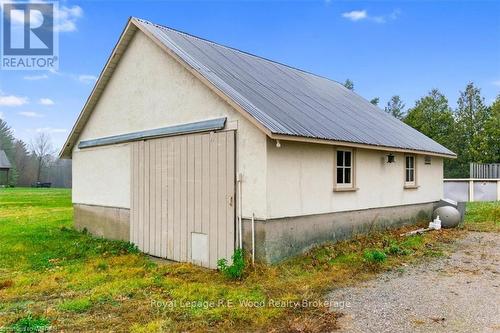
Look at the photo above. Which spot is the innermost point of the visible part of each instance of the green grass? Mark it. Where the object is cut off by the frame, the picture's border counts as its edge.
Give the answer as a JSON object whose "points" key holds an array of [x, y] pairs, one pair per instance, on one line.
{"points": [[76, 305], [483, 216], [29, 324], [52, 275], [374, 256]]}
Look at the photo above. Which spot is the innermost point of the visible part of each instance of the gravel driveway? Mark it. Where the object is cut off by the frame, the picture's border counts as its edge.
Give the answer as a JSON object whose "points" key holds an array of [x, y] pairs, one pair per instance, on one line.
{"points": [[459, 293]]}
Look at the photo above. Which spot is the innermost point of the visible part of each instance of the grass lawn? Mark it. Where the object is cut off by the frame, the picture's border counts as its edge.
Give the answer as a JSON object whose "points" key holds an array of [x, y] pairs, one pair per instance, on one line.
{"points": [[54, 276], [483, 216]]}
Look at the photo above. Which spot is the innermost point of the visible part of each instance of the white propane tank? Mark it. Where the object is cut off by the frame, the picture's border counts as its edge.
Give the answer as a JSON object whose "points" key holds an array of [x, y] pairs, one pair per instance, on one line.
{"points": [[449, 216]]}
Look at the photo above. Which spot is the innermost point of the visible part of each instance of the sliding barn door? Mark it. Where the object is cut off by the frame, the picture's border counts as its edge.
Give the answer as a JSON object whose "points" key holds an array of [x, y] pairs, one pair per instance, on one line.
{"points": [[183, 197]]}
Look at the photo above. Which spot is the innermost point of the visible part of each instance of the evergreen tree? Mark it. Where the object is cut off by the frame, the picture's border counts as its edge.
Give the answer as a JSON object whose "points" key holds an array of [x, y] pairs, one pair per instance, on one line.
{"points": [[490, 143], [24, 163], [349, 84], [433, 117], [375, 101], [471, 117], [395, 107]]}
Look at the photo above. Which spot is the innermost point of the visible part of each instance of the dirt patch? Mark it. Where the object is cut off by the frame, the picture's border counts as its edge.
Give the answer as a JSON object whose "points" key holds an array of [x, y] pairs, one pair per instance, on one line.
{"points": [[6, 284], [457, 293]]}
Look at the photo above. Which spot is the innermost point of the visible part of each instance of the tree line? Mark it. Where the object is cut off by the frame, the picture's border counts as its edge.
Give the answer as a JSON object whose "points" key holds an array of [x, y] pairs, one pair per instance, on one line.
{"points": [[471, 130], [33, 162]]}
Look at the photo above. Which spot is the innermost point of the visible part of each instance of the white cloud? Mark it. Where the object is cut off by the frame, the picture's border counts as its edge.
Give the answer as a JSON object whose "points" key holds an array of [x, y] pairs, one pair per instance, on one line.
{"points": [[46, 101], [50, 130], [30, 114], [36, 77], [358, 15], [12, 100], [355, 15], [87, 78], [66, 18]]}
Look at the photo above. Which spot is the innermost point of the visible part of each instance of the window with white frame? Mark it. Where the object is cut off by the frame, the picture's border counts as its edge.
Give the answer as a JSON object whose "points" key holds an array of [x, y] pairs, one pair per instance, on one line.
{"points": [[410, 170], [344, 168]]}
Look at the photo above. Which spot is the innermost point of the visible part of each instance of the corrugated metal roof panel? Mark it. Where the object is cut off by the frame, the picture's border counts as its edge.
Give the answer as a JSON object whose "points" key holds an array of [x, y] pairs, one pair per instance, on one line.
{"points": [[289, 101]]}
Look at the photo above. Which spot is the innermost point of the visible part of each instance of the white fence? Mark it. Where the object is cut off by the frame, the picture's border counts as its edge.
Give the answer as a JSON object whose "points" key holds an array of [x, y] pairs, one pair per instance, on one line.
{"points": [[487, 170], [472, 189]]}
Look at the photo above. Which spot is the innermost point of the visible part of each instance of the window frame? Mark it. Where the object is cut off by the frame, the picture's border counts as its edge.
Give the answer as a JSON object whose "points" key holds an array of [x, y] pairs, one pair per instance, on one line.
{"points": [[351, 186], [410, 183]]}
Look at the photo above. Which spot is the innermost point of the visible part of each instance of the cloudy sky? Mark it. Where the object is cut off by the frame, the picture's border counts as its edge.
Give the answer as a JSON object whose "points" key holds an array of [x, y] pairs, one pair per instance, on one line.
{"points": [[385, 47]]}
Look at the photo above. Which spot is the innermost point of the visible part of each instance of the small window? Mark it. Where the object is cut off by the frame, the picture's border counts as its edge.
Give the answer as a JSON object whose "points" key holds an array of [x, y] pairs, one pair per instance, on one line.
{"points": [[410, 170], [344, 169]]}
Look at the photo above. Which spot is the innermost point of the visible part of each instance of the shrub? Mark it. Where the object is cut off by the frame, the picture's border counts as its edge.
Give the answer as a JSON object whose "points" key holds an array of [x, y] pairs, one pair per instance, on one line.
{"points": [[31, 324], [235, 270], [395, 249], [374, 256]]}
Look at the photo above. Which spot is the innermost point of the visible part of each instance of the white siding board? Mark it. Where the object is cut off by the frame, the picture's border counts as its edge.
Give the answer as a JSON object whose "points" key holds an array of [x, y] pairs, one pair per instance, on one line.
{"points": [[171, 198], [158, 205], [190, 192], [152, 197], [164, 198], [230, 194]]}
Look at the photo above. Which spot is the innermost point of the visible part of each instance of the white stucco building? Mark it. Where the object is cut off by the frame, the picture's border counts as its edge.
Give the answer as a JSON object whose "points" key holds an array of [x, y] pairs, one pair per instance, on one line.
{"points": [[182, 138]]}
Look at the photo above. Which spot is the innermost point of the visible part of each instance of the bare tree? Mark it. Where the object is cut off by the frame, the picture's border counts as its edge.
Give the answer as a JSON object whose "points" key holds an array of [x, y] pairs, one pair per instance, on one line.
{"points": [[42, 148]]}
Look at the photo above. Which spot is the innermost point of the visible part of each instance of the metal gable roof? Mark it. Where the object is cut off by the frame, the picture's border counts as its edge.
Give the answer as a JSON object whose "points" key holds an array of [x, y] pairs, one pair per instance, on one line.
{"points": [[4, 161], [289, 101], [284, 102]]}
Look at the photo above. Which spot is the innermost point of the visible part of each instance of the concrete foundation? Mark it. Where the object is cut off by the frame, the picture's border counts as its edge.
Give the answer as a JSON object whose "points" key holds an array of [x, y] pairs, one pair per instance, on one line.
{"points": [[107, 222], [277, 239]]}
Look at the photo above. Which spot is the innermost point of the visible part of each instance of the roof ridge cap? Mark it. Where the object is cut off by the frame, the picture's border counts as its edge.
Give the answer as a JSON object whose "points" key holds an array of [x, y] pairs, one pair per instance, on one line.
{"points": [[275, 62]]}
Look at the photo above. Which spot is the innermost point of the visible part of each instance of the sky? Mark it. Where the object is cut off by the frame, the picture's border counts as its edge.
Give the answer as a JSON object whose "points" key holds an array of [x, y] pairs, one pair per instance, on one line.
{"points": [[386, 48]]}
